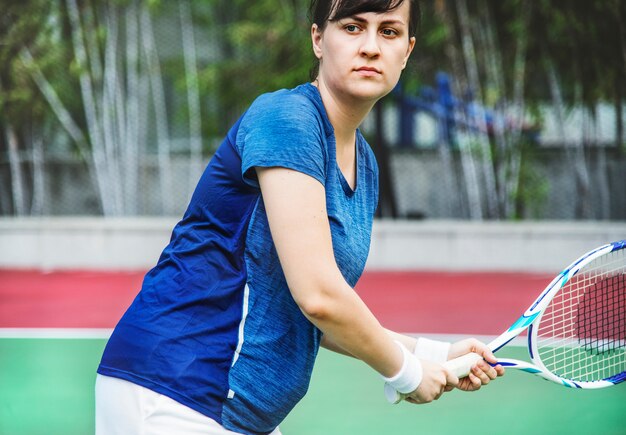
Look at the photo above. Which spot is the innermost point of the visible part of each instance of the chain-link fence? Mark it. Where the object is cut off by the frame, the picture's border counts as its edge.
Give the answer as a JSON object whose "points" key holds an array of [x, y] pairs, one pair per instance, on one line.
{"points": [[115, 108], [579, 176]]}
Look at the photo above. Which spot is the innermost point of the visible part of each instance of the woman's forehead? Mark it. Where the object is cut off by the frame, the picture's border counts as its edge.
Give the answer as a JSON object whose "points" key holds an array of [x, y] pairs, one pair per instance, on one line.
{"points": [[346, 8], [396, 16]]}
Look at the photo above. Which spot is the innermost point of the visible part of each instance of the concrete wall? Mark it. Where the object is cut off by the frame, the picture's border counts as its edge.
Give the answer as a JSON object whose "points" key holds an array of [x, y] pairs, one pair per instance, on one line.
{"points": [[495, 246], [135, 244], [422, 185], [83, 243]]}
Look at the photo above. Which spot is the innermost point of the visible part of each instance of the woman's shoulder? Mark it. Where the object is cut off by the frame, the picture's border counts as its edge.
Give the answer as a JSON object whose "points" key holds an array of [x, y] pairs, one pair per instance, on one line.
{"points": [[285, 104], [289, 118]]}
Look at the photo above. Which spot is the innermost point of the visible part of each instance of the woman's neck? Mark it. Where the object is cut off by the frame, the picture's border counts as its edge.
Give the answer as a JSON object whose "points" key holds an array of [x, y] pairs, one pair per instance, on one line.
{"points": [[344, 114]]}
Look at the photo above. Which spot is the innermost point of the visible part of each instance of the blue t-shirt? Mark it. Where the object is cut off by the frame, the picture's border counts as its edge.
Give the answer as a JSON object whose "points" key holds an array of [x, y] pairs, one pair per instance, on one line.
{"points": [[214, 325]]}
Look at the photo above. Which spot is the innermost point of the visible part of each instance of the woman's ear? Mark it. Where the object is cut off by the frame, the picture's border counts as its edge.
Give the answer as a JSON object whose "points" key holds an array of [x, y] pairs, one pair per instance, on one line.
{"points": [[316, 39], [409, 51]]}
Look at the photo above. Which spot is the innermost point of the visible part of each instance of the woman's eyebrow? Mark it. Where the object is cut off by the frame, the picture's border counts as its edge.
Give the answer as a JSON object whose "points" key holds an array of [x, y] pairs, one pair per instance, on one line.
{"points": [[390, 21]]}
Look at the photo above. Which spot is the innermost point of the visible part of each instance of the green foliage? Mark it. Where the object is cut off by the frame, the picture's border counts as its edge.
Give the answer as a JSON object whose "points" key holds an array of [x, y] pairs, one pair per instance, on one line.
{"points": [[265, 46], [583, 40], [41, 28], [533, 189], [22, 25], [429, 54]]}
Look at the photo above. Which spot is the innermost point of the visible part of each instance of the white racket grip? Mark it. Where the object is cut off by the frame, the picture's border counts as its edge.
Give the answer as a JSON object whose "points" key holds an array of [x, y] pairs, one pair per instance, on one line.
{"points": [[460, 367]]}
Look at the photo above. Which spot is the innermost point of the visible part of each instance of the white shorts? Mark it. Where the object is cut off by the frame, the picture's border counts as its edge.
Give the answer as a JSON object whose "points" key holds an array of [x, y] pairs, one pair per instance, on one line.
{"points": [[124, 408]]}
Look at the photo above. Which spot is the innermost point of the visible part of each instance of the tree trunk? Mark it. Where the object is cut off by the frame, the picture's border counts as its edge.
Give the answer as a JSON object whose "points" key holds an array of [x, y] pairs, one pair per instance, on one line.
{"points": [[477, 116], [39, 178], [91, 110], [387, 199], [17, 178], [159, 105], [134, 125], [193, 94]]}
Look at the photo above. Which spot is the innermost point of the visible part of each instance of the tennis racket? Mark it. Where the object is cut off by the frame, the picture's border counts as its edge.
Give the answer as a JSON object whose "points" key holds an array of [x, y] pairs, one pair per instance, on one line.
{"points": [[576, 327]]}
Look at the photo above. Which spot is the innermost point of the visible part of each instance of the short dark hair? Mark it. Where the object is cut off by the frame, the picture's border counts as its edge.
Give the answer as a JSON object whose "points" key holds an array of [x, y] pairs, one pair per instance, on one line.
{"points": [[323, 11]]}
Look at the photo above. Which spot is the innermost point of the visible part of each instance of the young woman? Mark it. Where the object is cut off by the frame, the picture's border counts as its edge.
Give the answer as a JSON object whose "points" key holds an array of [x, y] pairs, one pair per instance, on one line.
{"points": [[259, 272]]}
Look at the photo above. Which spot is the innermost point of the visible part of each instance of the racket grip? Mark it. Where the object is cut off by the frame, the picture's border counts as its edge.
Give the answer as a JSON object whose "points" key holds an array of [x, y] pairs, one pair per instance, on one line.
{"points": [[460, 367]]}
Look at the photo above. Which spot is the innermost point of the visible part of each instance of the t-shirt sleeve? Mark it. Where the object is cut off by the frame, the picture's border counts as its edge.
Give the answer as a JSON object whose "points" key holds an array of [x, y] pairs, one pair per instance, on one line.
{"points": [[282, 130]]}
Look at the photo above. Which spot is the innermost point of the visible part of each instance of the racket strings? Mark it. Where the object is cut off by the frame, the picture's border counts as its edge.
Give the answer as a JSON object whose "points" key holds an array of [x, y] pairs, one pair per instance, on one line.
{"points": [[602, 328], [582, 332]]}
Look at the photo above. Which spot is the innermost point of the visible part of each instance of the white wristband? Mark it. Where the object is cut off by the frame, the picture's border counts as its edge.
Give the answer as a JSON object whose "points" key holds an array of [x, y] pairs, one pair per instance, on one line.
{"points": [[409, 376], [432, 350]]}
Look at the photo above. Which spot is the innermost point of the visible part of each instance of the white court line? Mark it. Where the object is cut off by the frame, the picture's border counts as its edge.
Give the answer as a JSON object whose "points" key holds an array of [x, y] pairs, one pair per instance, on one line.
{"points": [[63, 333], [105, 333]]}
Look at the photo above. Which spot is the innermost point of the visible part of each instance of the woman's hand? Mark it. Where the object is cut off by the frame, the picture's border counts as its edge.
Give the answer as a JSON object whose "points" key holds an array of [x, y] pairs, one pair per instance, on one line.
{"points": [[435, 381], [482, 372]]}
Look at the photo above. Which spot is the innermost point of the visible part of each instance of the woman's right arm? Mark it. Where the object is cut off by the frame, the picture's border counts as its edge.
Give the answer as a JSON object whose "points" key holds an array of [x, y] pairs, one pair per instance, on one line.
{"points": [[296, 210]]}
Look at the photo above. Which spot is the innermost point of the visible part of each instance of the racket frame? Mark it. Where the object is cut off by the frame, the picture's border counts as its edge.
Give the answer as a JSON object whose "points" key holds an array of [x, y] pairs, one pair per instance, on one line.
{"points": [[533, 316]]}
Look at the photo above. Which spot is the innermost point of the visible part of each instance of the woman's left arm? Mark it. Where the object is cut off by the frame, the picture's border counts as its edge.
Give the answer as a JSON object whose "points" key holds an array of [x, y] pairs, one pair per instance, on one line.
{"points": [[481, 374]]}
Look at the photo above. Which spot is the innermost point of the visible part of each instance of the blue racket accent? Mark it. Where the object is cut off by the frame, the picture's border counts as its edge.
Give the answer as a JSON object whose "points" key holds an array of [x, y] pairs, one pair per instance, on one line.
{"points": [[617, 378], [530, 342], [589, 254], [523, 321], [495, 349], [619, 245], [570, 384], [563, 277]]}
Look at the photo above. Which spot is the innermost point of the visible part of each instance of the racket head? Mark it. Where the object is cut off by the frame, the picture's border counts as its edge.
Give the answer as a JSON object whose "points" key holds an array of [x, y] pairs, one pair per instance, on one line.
{"points": [[578, 334]]}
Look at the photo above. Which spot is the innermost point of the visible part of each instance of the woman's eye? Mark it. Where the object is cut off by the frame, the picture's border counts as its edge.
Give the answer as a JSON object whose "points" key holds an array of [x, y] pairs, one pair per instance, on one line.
{"points": [[351, 28], [389, 32]]}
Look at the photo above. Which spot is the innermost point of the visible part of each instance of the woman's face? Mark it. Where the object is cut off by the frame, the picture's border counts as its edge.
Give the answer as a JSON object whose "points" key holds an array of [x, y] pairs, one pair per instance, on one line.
{"points": [[362, 56]]}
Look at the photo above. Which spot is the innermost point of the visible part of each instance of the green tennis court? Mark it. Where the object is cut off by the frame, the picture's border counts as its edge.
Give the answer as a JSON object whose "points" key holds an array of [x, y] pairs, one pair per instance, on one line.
{"points": [[46, 387]]}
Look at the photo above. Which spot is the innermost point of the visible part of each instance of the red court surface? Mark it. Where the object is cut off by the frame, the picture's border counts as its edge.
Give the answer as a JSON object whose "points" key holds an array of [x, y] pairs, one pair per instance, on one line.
{"points": [[427, 302]]}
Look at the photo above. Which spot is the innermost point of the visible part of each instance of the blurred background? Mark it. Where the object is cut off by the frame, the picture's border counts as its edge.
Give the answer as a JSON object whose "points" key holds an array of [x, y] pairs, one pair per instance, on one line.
{"points": [[502, 156], [510, 110]]}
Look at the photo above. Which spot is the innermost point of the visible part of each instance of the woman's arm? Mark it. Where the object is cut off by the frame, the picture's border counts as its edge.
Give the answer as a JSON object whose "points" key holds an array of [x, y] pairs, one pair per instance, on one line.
{"points": [[408, 341], [482, 373], [296, 210]]}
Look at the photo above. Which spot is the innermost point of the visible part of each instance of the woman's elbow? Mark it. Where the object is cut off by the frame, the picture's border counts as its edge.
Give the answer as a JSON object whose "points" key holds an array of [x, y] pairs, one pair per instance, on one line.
{"points": [[315, 308], [318, 298]]}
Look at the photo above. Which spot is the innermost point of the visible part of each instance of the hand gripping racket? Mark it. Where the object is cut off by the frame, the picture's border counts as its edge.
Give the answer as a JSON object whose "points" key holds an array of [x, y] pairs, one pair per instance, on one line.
{"points": [[576, 327]]}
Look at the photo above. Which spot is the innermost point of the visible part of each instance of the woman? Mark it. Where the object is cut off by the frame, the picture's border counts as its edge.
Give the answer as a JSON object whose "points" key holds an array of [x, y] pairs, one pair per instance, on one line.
{"points": [[259, 272]]}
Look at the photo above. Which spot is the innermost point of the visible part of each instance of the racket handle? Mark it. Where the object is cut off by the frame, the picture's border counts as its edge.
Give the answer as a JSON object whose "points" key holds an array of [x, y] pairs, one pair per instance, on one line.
{"points": [[460, 367]]}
